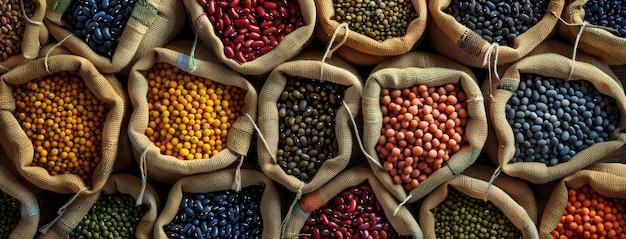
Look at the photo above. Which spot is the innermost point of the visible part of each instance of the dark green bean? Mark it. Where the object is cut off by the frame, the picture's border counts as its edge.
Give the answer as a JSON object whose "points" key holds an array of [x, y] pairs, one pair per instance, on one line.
{"points": [[112, 216], [461, 216], [9, 214]]}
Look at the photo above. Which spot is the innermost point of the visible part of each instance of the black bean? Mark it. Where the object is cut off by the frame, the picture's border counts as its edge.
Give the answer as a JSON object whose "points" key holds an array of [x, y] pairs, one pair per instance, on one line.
{"points": [[607, 13], [218, 214], [556, 127], [99, 25], [498, 21], [307, 121]]}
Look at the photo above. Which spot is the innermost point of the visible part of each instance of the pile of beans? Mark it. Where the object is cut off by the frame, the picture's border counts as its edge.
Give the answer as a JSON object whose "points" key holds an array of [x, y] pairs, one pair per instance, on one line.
{"points": [[306, 116], [100, 24], [252, 28], [377, 19], [63, 120], [13, 24], [222, 214], [498, 21], [189, 116], [353, 213], [553, 119], [591, 215], [461, 216], [9, 214], [608, 13], [422, 127], [112, 216]]}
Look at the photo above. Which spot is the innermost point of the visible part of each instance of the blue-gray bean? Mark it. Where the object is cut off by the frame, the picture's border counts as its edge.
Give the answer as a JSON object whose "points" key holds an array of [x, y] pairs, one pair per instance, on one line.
{"points": [[607, 13], [572, 117]]}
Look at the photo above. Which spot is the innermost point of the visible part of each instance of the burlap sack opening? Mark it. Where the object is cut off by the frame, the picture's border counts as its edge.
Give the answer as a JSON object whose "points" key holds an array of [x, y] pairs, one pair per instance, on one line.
{"points": [[557, 66], [593, 40], [307, 65], [458, 42], [432, 70], [166, 168], [403, 222], [270, 202], [34, 37], [19, 147], [611, 184], [122, 183], [153, 23], [362, 50], [29, 207], [512, 196], [289, 47]]}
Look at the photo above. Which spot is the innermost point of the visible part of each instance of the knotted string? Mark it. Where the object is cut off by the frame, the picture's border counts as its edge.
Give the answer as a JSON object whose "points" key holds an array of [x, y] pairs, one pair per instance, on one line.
{"points": [[45, 63], [487, 61], [358, 137], [405, 201], [293, 204], [330, 49], [61, 211], [143, 170], [26, 16], [580, 33], [491, 180], [267, 147], [476, 99], [237, 183]]}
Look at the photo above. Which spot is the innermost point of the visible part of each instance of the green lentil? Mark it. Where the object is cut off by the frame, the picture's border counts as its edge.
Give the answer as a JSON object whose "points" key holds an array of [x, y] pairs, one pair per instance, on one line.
{"points": [[112, 216], [461, 216], [378, 19], [9, 214]]}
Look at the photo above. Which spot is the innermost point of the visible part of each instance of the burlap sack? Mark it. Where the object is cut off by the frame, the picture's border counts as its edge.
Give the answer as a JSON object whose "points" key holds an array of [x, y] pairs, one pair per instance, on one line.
{"points": [[29, 208], [458, 42], [593, 40], [432, 70], [608, 180], [290, 46], [19, 147], [166, 168], [512, 196], [403, 222], [363, 50], [124, 159], [122, 183], [557, 66], [153, 23], [307, 65], [34, 37], [219, 181]]}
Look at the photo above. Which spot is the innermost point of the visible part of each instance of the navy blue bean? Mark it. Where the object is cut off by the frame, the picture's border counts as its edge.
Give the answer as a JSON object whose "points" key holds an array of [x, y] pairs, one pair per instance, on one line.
{"points": [[607, 13], [218, 215], [566, 118], [99, 25]]}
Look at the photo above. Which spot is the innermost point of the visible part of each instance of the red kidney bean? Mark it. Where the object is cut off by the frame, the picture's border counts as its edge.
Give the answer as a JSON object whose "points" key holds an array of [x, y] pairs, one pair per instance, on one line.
{"points": [[243, 20], [350, 214]]}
